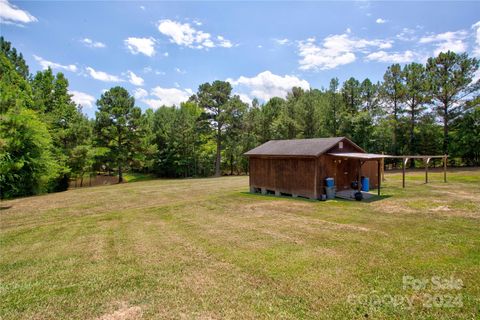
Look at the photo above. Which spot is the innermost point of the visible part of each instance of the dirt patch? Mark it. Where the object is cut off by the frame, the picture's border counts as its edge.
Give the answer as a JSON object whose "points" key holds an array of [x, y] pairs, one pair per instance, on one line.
{"points": [[393, 207], [271, 218], [440, 208], [124, 312], [447, 193], [263, 208]]}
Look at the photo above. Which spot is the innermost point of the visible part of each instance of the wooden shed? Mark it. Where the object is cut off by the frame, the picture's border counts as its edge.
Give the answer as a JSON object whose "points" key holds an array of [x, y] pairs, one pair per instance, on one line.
{"points": [[299, 167]]}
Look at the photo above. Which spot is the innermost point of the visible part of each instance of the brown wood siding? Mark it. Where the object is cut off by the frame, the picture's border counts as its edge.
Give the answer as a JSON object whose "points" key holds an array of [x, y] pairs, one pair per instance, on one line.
{"points": [[287, 175], [344, 171], [370, 170], [296, 175]]}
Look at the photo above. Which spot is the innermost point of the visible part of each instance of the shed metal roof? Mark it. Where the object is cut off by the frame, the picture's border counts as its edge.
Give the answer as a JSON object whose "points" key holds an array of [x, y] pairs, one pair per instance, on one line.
{"points": [[296, 147]]}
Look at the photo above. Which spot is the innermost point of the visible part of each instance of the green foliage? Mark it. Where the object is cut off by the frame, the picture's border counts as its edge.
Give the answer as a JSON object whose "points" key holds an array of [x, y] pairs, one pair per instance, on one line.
{"points": [[235, 132], [82, 160], [214, 98], [67, 125], [467, 137], [450, 76], [45, 140], [27, 164], [417, 94], [334, 107], [392, 92], [178, 138], [352, 95], [15, 58], [15, 90], [118, 127]]}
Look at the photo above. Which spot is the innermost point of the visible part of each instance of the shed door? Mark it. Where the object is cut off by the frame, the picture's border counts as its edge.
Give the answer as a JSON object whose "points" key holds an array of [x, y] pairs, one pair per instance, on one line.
{"points": [[345, 172]]}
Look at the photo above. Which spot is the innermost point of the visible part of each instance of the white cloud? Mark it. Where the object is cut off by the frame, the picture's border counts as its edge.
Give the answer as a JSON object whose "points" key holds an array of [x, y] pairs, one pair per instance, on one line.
{"points": [[92, 44], [266, 85], [45, 64], [407, 34], [282, 41], [380, 21], [395, 57], [11, 14], [82, 98], [145, 46], [224, 42], [147, 69], [140, 93], [178, 70], [245, 98], [165, 54], [183, 34], [451, 40], [102, 76], [476, 50], [335, 50], [167, 97], [152, 103], [143, 8], [134, 79]]}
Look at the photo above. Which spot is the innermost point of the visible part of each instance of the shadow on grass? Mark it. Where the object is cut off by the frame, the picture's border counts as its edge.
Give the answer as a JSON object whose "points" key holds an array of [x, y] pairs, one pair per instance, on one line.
{"points": [[372, 199], [272, 196]]}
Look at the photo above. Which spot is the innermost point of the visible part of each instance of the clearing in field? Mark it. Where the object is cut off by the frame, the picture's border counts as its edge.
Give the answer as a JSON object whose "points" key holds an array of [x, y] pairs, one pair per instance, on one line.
{"points": [[206, 248]]}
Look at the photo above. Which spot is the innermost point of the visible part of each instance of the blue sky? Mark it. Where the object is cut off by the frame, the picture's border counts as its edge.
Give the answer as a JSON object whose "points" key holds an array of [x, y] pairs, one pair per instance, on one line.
{"points": [[162, 51]]}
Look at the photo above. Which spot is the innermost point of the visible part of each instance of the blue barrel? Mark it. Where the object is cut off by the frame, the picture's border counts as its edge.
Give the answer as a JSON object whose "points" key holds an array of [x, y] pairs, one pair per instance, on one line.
{"points": [[365, 184], [329, 182]]}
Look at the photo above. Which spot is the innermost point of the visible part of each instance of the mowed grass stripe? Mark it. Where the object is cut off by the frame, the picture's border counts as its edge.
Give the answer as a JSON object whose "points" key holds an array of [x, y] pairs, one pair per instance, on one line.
{"points": [[205, 248]]}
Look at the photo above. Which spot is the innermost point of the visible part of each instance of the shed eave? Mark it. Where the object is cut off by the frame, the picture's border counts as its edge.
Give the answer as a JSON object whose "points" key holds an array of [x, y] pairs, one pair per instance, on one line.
{"points": [[359, 155], [262, 155]]}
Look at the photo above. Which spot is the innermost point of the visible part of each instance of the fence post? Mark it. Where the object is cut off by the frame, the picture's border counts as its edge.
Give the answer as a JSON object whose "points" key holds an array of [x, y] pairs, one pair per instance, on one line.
{"points": [[445, 168]]}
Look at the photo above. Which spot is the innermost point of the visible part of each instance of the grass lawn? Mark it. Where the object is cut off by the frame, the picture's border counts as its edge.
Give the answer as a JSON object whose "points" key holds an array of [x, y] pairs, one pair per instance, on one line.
{"points": [[206, 248]]}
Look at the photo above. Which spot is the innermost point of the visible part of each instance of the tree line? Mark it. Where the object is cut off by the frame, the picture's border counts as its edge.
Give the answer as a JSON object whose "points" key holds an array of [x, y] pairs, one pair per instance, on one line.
{"points": [[46, 140]]}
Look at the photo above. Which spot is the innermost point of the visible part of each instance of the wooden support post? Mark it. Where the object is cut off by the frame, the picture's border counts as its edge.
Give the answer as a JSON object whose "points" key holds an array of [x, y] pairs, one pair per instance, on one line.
{"points": [[426, 170], [445, 168], [383, 168], [315, 180], [404, 164], [379, 178], [426, 161], [359, 175]]}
